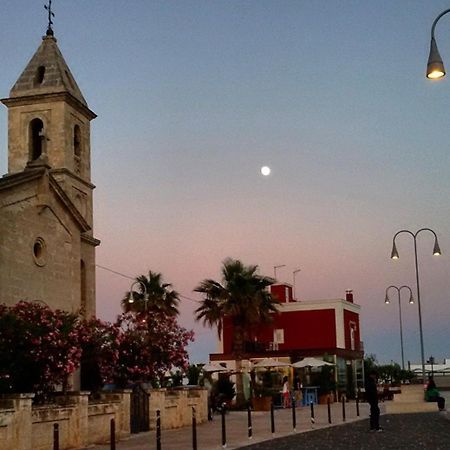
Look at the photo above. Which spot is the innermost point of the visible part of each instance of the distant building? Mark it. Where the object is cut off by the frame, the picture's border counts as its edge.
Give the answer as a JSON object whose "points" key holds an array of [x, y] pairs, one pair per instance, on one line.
{"points": [[316, 328], [437, 368]]}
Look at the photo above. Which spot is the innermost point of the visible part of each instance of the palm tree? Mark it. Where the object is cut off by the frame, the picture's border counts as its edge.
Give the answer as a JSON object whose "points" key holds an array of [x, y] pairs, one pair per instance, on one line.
{"points": [[160, 298], [243, 298]]}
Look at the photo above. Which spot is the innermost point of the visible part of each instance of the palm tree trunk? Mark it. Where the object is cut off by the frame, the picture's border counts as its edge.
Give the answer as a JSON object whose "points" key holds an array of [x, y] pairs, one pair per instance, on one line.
{"points": [[238, 353]]}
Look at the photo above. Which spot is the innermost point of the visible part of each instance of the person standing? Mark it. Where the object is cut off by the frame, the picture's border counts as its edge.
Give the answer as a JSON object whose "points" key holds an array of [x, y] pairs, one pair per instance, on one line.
{"points": [[372, 399], [298, 391], [286, 393]]}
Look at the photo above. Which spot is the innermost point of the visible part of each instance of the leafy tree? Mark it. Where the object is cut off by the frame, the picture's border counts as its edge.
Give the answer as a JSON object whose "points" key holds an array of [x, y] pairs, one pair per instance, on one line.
{"points": [[160, 297], [193, 373], [387, 373], [242, 297]]}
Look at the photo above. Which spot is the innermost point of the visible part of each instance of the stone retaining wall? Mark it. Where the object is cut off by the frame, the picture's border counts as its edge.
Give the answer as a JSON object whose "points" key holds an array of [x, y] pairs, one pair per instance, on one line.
{"points": [[176, 405], [81, 423]]}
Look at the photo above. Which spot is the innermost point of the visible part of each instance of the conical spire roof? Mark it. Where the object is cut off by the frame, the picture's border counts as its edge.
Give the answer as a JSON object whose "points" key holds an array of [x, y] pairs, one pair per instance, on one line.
{"points": [[47, 73]]}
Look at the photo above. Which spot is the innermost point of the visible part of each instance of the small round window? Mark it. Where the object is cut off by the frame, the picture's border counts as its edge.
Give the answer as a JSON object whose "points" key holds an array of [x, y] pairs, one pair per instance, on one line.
{"points": [[39, 252]]}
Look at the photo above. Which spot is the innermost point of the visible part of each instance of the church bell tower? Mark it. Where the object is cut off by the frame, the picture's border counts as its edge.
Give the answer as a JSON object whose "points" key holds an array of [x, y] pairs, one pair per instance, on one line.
{"points": [[46, 198]]}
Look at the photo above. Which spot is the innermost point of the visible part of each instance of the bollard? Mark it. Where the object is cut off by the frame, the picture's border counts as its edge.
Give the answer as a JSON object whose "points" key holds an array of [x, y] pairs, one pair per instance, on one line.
{"points": [[112, 434], [272, 418], [249, 422], [194, 430], [357, 405], [313, 420], [329, 409], [224, 430], [294, 418], [55, 436], [343, 407], [158, 429]]}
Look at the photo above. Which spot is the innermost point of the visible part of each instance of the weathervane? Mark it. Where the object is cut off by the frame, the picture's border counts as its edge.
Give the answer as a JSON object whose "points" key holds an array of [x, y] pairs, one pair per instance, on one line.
{"points": [[50, 15]]}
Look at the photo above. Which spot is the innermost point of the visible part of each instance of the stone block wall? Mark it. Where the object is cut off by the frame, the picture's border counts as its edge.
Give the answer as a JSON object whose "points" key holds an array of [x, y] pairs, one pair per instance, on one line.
{"points": [[175, 406], [81, 423]]}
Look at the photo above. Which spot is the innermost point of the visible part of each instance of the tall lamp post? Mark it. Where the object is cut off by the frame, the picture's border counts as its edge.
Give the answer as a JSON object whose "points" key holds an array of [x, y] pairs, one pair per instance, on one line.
{"points": [[394, 255], [275, 269], [411, 301], [295, 272], [435, 66], [145, 292]]}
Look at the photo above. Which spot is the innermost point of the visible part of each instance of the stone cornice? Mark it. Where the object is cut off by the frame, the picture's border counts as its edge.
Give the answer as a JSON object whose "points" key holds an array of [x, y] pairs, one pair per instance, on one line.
{"points": [[9, 181], [65, 171], [50, 98], [69, 205], [90, 240]]}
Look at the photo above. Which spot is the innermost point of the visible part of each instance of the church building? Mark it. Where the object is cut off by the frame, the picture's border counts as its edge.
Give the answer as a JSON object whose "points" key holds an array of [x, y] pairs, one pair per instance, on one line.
{"points": [[47, 247]]}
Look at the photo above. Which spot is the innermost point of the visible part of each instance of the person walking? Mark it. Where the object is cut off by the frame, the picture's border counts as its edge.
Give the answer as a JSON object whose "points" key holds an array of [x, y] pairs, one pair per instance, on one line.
{"points": [[372, 399]]}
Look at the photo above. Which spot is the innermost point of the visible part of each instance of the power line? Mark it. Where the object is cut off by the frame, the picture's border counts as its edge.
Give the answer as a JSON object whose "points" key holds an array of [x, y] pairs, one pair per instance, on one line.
{"points": [[133, 278], [114, 271]]}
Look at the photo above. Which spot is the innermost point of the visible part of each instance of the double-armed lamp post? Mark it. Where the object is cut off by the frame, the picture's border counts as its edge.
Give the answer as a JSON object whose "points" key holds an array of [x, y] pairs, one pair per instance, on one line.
{"points": [[411, 301], [394, 255], [435, 66]]}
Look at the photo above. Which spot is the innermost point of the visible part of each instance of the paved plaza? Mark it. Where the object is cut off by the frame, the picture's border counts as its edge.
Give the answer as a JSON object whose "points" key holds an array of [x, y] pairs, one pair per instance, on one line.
{"points": [[412, 431], [209, 434]]}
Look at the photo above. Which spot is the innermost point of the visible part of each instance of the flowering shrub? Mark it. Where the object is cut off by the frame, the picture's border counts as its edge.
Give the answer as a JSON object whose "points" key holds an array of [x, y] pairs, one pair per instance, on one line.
{"points": [[100, 342], [39, 348], [151, 344]]}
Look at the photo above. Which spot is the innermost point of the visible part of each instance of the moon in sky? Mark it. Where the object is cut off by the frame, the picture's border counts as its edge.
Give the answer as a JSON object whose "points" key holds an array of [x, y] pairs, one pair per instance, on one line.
{"points": [[265, 170]]}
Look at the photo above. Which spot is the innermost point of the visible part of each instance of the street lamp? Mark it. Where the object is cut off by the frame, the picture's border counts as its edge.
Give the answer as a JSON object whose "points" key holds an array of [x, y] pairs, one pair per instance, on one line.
{"points": [[295, 272], [411, 301], [275, 270], [394, 255], [435, 66], [145, 292]]}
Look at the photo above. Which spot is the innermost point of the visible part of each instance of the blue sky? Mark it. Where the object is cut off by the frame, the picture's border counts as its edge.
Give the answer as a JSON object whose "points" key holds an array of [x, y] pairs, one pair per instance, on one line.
{"points": [[193, 97]]}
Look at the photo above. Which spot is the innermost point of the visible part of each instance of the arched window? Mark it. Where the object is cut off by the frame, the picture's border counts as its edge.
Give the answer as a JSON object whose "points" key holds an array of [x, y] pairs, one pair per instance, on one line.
{"points": [[36, 137], [77, 141], [39, 76]]}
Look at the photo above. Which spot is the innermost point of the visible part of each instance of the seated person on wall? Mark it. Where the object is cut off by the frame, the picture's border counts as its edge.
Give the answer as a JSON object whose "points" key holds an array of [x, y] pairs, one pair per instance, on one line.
{"points": [[432, 394]]}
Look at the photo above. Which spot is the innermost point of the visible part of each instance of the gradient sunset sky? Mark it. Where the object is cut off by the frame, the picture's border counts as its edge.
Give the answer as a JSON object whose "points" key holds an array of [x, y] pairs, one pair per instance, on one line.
{"points": [[193, 97]]}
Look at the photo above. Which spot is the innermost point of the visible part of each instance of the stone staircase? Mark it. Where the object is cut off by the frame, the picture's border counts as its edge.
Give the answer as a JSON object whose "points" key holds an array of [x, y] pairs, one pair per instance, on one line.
{"points": [[411, 400]]}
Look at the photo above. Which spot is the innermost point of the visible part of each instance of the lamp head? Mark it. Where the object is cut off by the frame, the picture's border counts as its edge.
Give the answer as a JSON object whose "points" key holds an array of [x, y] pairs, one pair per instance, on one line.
{"points": [[386, 299], [436, 248], [394, 252], [435, 66], [130, 297], [411, 300]]}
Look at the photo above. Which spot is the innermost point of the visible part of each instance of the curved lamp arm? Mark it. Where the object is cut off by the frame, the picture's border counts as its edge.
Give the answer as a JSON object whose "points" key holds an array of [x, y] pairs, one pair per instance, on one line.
{"points": [[130, 295], [435, 66]]}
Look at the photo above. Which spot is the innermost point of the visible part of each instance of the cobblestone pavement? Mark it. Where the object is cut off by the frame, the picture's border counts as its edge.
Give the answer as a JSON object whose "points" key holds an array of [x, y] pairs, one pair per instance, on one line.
{"points": [[428, 431]]}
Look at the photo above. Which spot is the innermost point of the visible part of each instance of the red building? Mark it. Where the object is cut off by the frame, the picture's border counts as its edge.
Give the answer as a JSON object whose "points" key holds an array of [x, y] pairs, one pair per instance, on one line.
{"points": [[305, 328]]}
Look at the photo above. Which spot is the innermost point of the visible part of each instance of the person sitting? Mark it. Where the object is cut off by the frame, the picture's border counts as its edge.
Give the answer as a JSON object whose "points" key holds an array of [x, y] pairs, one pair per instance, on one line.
{"points": [[432, 394]]}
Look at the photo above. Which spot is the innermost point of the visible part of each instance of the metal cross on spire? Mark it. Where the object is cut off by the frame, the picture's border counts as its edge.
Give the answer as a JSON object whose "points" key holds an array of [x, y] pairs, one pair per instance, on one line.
{"points": [[50, 15]]}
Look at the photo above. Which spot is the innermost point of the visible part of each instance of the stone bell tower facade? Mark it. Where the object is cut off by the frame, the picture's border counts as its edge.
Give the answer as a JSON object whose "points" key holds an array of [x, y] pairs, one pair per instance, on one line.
{"points": [[47, 248]]}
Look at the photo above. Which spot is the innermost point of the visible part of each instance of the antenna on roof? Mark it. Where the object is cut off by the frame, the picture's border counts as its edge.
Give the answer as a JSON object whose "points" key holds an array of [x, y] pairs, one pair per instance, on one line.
{"points": [[50, 15]]}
